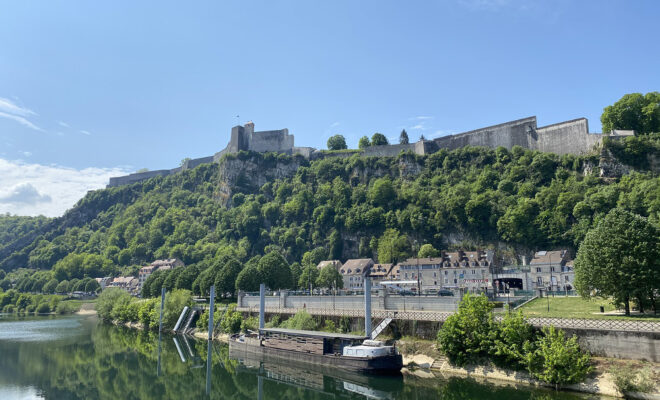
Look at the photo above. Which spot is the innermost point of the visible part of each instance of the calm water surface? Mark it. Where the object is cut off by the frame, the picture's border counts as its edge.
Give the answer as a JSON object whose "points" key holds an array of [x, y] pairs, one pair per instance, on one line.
{"points": [[79, 358]]}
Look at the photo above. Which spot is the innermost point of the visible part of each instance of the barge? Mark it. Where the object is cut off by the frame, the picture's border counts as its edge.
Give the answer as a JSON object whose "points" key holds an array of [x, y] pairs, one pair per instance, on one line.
{"points": [[350, 352]]}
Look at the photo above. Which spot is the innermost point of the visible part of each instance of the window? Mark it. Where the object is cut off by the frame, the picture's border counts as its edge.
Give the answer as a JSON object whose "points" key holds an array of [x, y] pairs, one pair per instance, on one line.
{"points": [[455, 281], [446, 272], [474, 272], [435, 282], [539, 281], [446, 280], [538, 269], [552, 269], [566, 278], [406, 275]]}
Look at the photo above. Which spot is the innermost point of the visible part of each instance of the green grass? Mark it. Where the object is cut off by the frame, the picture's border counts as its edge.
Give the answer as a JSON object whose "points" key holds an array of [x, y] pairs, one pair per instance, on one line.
{"points": [[575, 307]]}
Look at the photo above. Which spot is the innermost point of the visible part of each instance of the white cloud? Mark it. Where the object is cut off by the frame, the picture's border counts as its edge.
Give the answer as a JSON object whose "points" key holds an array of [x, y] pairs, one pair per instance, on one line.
{"points": [[10, 107], [63, 124], [21, 120], [84, 132], [23, 194], [334, 124], [36, 189], [419, 127], [422, 118], [26, 153]]}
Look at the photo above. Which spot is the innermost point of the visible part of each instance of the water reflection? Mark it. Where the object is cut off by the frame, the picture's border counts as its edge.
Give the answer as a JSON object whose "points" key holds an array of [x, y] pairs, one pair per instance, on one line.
{"points": [[80, 358]]}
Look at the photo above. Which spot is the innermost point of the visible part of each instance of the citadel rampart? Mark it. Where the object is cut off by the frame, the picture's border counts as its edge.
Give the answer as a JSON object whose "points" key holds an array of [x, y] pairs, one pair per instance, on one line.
{"points": [[569, 137]]}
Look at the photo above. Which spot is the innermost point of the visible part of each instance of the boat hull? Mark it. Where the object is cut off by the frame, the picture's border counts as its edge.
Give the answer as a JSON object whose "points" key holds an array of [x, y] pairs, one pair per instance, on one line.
{"points": [[384, 364]]}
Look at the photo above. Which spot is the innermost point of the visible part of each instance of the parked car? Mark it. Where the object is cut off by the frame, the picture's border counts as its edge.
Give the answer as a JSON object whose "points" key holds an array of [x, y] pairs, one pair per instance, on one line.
{"points": [[445, 292]]}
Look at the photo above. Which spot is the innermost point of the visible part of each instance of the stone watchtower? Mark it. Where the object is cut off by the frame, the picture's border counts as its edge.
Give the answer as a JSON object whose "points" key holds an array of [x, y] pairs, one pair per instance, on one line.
{"points": [[241, 136]]}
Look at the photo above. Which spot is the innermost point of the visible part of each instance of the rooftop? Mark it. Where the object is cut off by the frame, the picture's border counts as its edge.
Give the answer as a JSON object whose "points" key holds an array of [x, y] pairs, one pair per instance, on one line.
{"points": [[328, 335]]}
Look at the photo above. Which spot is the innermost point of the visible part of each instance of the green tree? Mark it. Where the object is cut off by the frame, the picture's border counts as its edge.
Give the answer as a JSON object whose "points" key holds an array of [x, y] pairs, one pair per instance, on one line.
{"points": [[427, 250], [314, 257], [231, 323], [382, 193], [620, 257], [249, 279], [329, 277], [511, 340], [378, 139], [363, 143], [558, 360], [403, 137], [92, 286], [50, 287], [337, 142], [225, 281], [108, 299], [308, 277], [62, 287], [465, 335], [635, 111], [275, 271], [392, 247]]}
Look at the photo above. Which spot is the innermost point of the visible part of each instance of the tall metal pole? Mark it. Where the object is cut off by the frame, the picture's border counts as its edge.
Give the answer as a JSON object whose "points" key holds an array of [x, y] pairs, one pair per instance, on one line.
{"points": [[211, 310], [162, 305], [367, 306], [262, 306]]}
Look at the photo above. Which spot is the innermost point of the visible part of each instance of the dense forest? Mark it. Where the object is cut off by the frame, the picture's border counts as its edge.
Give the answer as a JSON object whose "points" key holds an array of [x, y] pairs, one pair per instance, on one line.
{"points": [[253, 204]]}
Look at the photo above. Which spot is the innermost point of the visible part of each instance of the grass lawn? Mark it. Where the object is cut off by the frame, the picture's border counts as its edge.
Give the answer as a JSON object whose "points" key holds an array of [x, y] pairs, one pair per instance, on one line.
{"points": [[575, 307]]}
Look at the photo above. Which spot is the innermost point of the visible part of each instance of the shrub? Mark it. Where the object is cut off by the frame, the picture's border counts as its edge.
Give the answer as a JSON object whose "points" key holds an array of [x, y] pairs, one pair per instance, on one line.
{"points": [[107, 301], [43, 308], [274, 322], [464, 337], [231, 323], [30, 309], [250, 323], [9, 308], [329, 326], [203, 321], [148, 313], [556, 359], [301, 320], [628, 380], [66, 307], [175, 301], [509, 339]]}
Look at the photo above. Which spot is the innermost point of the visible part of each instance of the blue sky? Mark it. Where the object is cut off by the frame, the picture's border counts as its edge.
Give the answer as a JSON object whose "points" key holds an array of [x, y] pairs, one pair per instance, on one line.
{"points": [[93, 89]]}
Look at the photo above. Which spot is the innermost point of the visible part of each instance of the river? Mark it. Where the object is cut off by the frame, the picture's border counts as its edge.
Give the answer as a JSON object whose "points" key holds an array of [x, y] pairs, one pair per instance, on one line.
{"points": [[78, 357]]}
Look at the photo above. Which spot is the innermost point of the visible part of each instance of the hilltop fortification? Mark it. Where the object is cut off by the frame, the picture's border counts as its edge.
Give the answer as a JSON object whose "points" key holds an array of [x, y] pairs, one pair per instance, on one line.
{"points": [[569, 137]]}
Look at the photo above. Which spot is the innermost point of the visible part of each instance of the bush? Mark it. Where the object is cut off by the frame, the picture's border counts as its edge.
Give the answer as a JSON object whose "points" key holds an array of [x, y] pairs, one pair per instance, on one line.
{"points": [[30, 309], [108, 299], [43, 308], [66, 307], [8, 309], [329, 326], [175, 301], [556, 359], [465, 336], [148, 313], [250, 323], [509, 339], [203, 321], [274, 322], [231, 323], [628, 380], [302, 320]]}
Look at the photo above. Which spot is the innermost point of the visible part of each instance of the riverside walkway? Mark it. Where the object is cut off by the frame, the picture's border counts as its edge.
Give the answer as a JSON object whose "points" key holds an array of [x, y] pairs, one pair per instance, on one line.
{"points": [[438, 316]]}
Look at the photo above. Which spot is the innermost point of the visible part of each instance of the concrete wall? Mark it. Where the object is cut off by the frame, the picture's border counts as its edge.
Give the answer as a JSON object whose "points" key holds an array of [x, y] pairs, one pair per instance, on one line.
{"points": [[508, 134], [619, 344], [137, 177], [278, 141], [190, 164], [570, 137], [391, 150]]}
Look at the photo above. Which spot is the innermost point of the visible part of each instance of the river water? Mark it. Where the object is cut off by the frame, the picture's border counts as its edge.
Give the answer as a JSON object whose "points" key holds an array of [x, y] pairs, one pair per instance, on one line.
{"points": [[77, 357]]}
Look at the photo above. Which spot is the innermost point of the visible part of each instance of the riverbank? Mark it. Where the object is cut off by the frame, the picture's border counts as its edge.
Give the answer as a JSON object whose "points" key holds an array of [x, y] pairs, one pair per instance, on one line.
{"points": [[422, 358], [87, 309]]}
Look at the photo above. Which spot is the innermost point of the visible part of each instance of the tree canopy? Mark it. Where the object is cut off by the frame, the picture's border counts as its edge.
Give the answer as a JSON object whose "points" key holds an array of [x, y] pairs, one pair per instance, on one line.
{"points": [[378, 139], [403, 137], [337, 142], [635, 111], [364, 142], [620, 257]]}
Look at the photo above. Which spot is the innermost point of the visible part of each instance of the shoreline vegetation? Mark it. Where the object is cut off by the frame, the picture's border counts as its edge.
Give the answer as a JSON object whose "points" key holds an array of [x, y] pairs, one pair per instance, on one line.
{"points": [[13, 302], [537, 358]]}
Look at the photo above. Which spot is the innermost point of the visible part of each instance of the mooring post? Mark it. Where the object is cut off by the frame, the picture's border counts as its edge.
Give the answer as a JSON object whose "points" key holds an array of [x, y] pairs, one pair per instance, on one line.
{"points": [[162, 305], [367, 306], [262, 305], [211, 309]]}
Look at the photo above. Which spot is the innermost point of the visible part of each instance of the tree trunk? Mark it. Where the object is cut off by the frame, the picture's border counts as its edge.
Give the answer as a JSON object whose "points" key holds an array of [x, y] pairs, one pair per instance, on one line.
{"points": [[640, 304], [627, 304]]}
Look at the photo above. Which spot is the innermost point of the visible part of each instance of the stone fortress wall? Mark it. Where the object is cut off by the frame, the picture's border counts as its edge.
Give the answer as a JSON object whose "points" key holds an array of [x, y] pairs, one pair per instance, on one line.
{"points": [[569, 137]]}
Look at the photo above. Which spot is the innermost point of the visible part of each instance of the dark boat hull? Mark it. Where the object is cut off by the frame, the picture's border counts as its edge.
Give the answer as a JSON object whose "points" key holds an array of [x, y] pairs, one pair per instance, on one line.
{"points": [[385, 364]]}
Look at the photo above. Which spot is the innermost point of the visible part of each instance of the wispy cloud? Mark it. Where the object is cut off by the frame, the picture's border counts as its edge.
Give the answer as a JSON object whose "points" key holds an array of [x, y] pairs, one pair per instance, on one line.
{"points": [[21, 120], [84, 132], [35, 189], [419, 127], [63, 124], [26, 153], [10, 107], [334, 124], [422, 118], [443, 132]]}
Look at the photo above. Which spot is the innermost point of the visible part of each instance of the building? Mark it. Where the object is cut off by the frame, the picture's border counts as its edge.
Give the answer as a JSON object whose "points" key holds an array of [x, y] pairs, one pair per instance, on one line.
{"points": [[353, 272], [165, 264], [335, 263], [379, 273], [127, 283], [469, 270], [551, 270], [103, 282]]}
